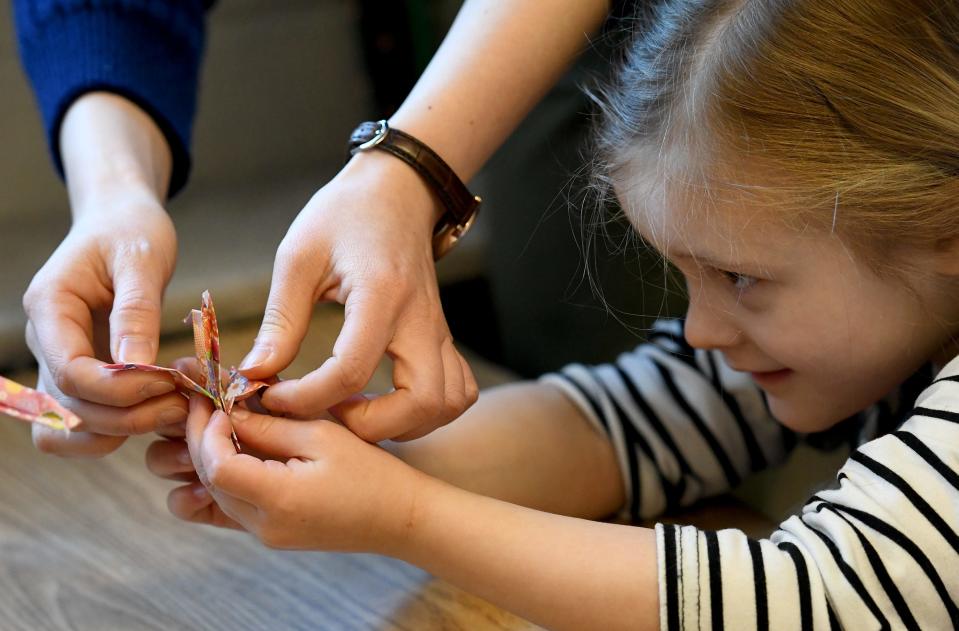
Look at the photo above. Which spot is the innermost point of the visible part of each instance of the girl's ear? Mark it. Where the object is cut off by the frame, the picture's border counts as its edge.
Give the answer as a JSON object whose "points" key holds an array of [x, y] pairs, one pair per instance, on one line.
{"points": [[946, 257]]}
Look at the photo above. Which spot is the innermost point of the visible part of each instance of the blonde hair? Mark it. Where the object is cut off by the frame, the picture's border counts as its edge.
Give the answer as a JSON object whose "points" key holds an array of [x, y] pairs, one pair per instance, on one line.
{"points": [[855, 103]]}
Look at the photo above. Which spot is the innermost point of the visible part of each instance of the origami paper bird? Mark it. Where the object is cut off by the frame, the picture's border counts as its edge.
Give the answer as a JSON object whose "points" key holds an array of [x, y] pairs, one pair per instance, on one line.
{"points": [[206, 344]]}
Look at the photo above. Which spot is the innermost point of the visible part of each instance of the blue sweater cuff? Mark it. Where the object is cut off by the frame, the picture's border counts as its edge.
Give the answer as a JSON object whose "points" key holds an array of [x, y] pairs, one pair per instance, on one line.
{"points": [[146, 51]]}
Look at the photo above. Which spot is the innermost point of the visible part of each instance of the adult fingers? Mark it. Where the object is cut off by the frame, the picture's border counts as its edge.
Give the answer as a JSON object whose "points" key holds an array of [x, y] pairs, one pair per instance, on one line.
{"points": [[74, 444], [177, 430], [460, 392], [151, 415], [135, 316], [367, 329], [59, 329], [286, 317], [138, 418], [77, 444], [419, 399], [469, 381], [83, 377], [190, 367]]}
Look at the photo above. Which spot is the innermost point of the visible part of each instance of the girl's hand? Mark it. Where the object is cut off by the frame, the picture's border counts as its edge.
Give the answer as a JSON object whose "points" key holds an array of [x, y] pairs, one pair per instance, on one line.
{"points": [[315, 486]]}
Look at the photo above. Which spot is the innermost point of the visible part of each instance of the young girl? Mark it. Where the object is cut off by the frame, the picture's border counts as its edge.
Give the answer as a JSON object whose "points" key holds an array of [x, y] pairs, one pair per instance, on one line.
{"points": [[798, 162]]}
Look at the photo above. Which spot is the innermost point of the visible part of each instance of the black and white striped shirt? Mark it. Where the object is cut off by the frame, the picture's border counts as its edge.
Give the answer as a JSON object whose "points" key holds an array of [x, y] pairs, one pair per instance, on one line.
{"points": [[879, 551]]}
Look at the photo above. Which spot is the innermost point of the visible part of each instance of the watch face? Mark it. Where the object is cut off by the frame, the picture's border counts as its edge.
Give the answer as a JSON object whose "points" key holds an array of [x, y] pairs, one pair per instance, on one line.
{"points": [[368, 135]]}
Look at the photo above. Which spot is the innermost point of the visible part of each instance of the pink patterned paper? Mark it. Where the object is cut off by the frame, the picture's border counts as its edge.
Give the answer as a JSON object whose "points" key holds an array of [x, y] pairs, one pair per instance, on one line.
{"points": [[27, 404]]}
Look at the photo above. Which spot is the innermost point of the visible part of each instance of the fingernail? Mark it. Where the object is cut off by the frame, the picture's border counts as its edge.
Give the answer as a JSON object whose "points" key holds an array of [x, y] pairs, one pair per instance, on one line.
{"points": [[239, 413], [200, 492], [183, 457], [135, 350], [255, 357], [170, 416], [157, 388]]}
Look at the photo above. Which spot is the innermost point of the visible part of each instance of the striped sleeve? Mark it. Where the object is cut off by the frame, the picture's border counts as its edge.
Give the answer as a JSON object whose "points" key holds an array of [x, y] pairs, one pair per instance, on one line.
{"points": [[880, 551], [683, 424]]}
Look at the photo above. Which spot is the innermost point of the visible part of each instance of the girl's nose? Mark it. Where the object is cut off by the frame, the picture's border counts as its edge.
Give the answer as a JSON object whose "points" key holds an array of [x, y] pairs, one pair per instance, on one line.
{"points": [[709, 326]]}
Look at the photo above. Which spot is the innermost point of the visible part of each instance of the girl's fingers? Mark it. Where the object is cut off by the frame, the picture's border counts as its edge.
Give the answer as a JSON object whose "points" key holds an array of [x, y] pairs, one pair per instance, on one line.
{"points": [[170, 459], [276, 437], [199, 415], [194, 503], [221, 469]]}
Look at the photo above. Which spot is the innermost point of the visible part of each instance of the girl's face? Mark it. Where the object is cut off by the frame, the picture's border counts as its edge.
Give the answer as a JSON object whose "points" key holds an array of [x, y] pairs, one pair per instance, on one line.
{"points": [[819, 332]]}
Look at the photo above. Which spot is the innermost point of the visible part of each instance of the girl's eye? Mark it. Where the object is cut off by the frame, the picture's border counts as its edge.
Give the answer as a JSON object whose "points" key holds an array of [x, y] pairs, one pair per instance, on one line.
{"points": [[739, 281]]}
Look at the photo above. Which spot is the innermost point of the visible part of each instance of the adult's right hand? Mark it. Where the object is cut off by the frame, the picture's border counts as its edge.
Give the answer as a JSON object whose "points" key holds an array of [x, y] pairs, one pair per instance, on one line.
{"points": [[97, 299], [364, 240]]}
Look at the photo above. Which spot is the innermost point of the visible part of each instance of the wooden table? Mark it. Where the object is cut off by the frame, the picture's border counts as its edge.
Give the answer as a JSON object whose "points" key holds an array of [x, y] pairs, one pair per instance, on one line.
{"points": [[90, 545]]}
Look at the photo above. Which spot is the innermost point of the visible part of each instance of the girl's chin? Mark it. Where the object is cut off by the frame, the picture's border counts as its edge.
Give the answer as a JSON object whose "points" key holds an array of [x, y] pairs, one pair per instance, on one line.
{"points": [[804, 417]]}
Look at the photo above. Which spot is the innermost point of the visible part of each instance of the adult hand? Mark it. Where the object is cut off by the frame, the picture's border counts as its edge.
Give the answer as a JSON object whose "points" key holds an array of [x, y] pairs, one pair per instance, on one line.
{"points": [[364, 240], [316, 485], [111, 270], [97, 299]]}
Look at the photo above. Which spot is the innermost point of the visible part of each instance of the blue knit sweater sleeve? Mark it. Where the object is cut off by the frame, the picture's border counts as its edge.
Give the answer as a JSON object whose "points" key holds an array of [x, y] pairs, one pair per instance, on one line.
{"points": [[145, 50]]}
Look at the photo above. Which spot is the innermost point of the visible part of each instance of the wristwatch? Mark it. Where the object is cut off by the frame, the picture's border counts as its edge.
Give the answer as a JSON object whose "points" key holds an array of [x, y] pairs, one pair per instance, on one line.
{"points": [[461, 205]]}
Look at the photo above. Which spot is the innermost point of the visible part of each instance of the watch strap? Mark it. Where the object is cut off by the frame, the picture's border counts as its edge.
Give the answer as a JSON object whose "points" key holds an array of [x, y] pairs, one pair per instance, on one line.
{"points": [[459, 203]]}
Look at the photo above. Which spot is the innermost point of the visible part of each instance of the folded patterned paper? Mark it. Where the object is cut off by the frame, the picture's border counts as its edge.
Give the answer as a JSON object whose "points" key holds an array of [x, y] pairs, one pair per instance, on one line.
{"points": [[33, 406], [206, 343], [21, 402]]}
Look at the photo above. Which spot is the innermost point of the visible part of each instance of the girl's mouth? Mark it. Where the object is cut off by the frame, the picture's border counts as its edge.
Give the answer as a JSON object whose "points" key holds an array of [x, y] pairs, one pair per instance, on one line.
{"points": [[771, 378]]}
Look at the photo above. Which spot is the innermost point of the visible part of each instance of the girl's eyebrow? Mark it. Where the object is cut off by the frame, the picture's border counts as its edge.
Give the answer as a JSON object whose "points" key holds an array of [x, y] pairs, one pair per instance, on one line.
{"points": [[671, 253], [703, 259]]}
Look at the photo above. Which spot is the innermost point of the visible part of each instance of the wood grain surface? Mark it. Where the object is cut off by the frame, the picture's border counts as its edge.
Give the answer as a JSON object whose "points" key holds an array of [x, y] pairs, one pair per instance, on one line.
{"points": [[90, 545]]}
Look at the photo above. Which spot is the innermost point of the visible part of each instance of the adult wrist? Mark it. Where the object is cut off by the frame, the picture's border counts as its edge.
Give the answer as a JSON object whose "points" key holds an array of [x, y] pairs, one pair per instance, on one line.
{"points": [[108, 146], [460, 205], [383, 170], [448, 138]]}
